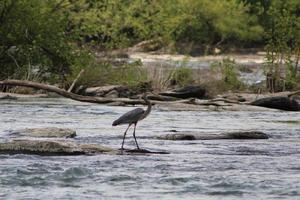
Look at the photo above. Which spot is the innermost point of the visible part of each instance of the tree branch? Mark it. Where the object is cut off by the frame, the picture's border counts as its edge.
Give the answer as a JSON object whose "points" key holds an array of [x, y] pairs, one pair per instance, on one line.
{"points": [[294, 93], [69, 95]]}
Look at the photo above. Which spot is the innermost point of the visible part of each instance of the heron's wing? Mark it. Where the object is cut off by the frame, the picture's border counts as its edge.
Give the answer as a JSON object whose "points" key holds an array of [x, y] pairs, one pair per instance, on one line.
{"points": [[130, 117]]}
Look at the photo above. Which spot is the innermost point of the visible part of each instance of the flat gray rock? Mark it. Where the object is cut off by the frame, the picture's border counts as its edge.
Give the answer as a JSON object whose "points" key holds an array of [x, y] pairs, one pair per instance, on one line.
{"points": [[49, 132], [241, 135], [49, 148], [64, 148]]}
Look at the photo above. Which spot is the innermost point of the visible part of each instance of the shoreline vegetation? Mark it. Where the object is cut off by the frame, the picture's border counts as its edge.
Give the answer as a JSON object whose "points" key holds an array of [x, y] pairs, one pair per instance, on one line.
{"points": [[140, 46]]}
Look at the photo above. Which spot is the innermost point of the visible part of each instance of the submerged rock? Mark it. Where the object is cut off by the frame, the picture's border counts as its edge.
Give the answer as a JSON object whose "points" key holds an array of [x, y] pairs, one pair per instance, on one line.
{"points": [[51, 132], [48, 148], [281, 103], [205, 136], [186, 92]]}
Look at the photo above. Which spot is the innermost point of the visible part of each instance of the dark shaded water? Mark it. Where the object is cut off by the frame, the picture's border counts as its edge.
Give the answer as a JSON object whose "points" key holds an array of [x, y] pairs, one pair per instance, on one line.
{"points": [[261, 169]]}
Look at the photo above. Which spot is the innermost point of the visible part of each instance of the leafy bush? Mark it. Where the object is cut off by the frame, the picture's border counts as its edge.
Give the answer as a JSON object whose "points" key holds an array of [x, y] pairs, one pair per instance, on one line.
{"points": [[229, 75], [103, 72], [181, 76]]}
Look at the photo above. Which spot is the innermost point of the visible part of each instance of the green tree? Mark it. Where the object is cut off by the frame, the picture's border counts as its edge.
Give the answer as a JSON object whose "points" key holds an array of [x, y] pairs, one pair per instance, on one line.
{"points": [[34, 39], [212, 23]]}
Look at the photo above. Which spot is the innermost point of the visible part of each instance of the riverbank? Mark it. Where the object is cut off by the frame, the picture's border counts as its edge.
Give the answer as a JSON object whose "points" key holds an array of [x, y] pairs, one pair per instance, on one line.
{"points": [[225, 102]]}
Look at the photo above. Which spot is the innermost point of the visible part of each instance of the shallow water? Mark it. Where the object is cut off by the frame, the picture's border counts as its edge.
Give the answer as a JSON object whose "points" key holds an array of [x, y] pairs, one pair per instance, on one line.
{"points": [[219, 169]]}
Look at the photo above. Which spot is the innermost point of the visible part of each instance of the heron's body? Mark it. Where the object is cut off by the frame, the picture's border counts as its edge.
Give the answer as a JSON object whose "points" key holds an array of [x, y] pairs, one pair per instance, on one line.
{"points": [[132, 117]]}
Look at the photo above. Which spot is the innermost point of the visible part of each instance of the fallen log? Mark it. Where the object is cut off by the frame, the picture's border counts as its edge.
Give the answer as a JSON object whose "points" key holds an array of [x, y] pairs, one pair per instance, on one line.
{"points": [[98, 100], [70, 95]]}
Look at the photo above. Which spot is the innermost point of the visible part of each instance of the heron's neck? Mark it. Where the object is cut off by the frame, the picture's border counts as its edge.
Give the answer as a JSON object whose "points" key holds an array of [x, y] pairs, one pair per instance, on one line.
{"points": [[148, 110]]}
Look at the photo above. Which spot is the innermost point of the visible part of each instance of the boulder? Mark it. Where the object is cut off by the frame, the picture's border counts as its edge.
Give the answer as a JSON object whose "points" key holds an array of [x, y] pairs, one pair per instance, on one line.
{"points": [[186, 92], [50, 132], [49, 148], [281, 103], [204, 136]]}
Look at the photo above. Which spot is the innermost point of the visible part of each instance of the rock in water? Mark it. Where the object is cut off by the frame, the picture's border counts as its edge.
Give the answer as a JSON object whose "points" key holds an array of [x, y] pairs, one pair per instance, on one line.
{"points": [[63, 148], [51, 132], [281, 103], [49, 148], [178, 136], [40, 147], [242, 135], [246, 135], [186, 92]]}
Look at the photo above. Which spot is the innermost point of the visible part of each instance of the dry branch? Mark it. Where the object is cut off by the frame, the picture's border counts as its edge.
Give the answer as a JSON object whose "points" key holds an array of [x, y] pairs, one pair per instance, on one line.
{"points": [[75, 81], [64, 93], [294, 93]]}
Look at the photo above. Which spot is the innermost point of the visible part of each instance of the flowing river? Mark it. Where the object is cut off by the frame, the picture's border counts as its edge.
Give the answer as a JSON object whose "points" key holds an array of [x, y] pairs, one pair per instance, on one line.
{"points": [[213, 169]]}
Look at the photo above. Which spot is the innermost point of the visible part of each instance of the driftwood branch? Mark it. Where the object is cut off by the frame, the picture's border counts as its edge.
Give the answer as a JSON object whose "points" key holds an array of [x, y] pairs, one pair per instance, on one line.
{"points": [[75, 81], [64, 93], [98, 100], [294, 93]]}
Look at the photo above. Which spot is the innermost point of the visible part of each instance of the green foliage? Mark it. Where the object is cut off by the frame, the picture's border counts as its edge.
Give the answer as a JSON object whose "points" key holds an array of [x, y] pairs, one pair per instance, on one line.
{"points": [[103, 72], [115, 23], [181, 76], [283, 44], [208, 22], [48, 40], [229, 75], [34, 40]]}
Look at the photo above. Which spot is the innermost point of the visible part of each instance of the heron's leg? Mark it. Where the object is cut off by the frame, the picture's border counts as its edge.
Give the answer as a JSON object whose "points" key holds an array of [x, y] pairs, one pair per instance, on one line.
{"points": [[135, 137], [124, 136]]}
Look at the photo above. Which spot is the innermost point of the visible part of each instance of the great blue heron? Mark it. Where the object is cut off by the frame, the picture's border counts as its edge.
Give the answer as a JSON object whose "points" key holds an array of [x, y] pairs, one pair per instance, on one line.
{"points": [[132, 117]]}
